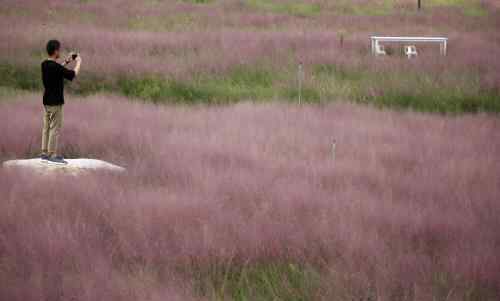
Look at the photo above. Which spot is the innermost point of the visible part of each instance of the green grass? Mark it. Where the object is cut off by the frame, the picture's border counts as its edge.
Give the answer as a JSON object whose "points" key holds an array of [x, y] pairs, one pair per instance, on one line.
{"points": [[241, 83], [471, 8], [339, 72], [371, 8], [199, 1], [156, 89], [270, 281], [296, 8], [288, 281], [18, 77], [439, 101], [8, 93], [418, 91], [155, 24]]}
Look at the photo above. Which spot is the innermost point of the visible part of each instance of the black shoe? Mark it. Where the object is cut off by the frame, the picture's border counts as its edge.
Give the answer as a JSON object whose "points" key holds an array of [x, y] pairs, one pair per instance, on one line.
{"points": [[57, 160], [44, 157]]}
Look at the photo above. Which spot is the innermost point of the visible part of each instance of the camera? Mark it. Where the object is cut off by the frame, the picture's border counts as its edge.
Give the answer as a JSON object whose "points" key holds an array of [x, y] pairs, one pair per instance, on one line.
{"points": [[74, 56]]}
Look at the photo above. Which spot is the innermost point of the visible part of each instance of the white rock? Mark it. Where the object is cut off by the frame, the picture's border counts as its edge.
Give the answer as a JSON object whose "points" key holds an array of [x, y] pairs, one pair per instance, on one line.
{"points": [[73, 166]]}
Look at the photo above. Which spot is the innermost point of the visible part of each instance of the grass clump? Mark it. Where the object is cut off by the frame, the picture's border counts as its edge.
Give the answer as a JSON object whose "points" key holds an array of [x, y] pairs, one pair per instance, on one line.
{"points": [[295, 8], [307, 95], [159, 24], [270, 281], [338, 72], [245, 83], [440, 101], [470, 8], [240, 83], [20, 77], [198, 1], [156, 89], [372, 8], [415, 90], [8, 93]]}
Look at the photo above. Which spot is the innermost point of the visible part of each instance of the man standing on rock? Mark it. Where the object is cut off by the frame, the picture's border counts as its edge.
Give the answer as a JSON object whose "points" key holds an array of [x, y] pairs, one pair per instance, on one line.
{"points": [[53, 76]]}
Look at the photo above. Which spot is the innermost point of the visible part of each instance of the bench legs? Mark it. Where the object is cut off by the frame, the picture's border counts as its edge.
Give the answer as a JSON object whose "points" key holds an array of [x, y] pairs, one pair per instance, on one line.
{"points": [[443, 48]]}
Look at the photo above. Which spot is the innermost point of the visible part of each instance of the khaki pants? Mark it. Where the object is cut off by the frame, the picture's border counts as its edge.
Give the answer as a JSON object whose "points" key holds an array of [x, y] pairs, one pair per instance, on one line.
{"points": [[52, 122]]}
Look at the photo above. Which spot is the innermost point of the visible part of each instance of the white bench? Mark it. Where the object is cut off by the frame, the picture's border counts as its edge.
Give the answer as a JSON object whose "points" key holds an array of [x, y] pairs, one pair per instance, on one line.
{"points": [[375, 40]]}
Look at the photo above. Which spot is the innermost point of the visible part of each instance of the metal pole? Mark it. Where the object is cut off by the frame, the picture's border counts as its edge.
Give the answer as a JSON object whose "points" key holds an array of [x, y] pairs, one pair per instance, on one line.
{"points": [[334, 149], [300, 77]]}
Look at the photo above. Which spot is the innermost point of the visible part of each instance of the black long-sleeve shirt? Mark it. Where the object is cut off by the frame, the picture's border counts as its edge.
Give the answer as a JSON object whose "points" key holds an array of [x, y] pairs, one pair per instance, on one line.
{"points": [[53, 75]]}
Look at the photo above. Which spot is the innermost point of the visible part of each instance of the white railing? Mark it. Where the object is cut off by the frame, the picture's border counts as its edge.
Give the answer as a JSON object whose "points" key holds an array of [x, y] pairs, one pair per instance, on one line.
{"points": [[443, 42]]}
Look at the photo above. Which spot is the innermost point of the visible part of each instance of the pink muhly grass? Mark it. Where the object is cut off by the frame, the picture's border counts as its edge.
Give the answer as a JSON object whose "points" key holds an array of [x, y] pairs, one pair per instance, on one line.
{"points": [[410, 198], [222, 35]]}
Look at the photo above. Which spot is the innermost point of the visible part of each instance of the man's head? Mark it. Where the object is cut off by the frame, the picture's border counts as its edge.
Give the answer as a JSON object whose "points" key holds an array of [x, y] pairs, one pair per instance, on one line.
{"points": [[53, 48]]}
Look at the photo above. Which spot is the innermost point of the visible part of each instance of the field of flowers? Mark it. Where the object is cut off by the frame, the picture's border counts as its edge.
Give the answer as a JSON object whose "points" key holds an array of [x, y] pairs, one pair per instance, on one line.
{"points": [[247, 199]]}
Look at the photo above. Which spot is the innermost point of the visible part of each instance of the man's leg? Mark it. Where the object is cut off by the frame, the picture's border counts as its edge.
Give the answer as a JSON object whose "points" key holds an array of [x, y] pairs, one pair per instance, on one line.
{"points": [[56, 118], [45, 131]]}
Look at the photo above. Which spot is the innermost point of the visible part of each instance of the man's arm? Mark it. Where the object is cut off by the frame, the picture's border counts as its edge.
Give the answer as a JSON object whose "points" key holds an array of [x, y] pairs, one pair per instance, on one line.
{"points": [[68, 73]]}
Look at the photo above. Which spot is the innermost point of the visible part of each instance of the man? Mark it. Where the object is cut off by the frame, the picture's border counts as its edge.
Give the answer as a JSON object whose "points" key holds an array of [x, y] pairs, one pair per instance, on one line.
{"points": [[53, 76]]}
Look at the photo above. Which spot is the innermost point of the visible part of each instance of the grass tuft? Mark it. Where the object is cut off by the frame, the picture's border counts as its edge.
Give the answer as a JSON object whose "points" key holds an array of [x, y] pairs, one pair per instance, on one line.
{"points": [[296, 8], [269, 281]]}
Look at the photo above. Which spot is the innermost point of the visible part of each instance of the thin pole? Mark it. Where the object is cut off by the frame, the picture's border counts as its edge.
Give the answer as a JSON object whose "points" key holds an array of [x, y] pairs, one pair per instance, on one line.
{"points": [[300, 77], [419, 4], [334, 146]]}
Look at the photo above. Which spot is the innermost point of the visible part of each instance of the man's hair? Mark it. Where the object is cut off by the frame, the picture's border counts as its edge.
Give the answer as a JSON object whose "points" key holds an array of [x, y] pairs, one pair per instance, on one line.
{"points": [[52, 46]]}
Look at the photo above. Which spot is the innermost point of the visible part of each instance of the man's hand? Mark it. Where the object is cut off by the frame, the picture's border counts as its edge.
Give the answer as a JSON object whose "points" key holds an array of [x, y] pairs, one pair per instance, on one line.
{"points": [[69, 58], [78, 61]]}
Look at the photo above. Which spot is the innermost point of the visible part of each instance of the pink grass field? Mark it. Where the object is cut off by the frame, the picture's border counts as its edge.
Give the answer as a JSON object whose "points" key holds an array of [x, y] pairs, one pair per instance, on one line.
{"points": [[408, 209], [180, 39]]}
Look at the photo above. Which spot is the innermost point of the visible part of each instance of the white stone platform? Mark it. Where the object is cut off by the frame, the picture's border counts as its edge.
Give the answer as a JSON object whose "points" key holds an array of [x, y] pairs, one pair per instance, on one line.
{"points": [[73, 166]]}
